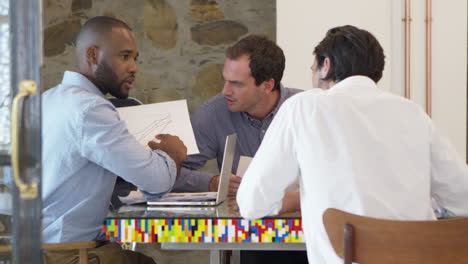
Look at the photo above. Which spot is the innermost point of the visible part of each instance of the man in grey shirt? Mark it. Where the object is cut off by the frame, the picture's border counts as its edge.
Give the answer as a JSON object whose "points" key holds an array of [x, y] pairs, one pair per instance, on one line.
{"points": [[250, 99], [251, 96]]}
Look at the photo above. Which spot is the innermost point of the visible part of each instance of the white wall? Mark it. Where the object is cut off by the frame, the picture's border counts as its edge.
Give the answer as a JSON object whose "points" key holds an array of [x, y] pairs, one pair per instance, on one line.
{"points": [[450, 69], [301, 24]]}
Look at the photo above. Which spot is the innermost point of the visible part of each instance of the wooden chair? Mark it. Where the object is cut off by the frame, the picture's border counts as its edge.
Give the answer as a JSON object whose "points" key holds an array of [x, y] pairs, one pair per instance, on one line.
{"points": [[82, 248], [367, 240]]}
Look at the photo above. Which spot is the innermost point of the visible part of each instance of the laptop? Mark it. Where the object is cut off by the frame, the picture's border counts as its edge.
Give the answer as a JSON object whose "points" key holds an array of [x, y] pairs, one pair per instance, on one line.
{"points": [[205, 198]]}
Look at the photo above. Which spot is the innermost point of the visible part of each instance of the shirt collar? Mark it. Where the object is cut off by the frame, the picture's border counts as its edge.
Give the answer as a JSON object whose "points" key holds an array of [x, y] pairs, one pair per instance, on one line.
{"points": [[283, 97], [71, 78], [357, 83]]}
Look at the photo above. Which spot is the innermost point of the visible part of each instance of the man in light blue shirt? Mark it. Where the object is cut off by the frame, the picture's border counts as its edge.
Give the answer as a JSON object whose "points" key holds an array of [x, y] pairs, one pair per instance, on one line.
{"points": [[85, 144]]}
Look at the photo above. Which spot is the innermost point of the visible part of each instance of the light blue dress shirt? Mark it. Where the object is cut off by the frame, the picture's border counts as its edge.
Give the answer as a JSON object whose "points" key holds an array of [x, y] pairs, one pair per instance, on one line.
{"points": [[85, 145]]}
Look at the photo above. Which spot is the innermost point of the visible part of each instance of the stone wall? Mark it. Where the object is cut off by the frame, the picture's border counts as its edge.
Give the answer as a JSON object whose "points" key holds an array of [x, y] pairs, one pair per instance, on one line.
{"points": [[181, 42]]}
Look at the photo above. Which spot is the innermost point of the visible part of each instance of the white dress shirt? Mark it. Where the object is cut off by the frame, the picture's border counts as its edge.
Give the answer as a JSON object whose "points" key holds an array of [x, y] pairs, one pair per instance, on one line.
{"points": [[84, 145], [358, 149]]}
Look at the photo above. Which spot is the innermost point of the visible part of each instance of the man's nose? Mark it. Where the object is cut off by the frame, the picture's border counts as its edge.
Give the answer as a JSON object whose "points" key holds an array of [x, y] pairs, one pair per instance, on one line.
{"points": [[226, 88], [133, 67]]}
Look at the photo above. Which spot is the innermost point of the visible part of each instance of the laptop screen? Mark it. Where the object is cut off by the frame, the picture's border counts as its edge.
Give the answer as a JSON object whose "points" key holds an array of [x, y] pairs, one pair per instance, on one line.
{"points": [[226, 167], [203, 198]]}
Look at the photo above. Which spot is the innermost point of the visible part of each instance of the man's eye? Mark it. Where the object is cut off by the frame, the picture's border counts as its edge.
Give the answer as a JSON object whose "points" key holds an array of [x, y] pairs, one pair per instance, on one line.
{"points": [[125, 57]]}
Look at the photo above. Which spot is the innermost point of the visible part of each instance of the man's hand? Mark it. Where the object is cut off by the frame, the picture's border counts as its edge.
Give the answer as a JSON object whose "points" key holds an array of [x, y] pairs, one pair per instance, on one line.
{"points": [[173, 146], [234, 182], [291, 202]]}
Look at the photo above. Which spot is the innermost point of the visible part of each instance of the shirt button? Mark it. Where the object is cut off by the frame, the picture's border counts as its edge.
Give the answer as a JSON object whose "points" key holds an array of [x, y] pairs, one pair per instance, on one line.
{"points": [[263, 131]]}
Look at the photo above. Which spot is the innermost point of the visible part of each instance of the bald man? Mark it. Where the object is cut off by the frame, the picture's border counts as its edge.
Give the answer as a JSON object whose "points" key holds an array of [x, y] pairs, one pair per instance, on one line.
{"points": [[85, 144]]}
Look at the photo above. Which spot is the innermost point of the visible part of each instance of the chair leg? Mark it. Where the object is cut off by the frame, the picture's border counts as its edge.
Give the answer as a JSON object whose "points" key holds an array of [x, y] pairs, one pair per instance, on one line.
{"points": [[348, 243], [83, 255]]}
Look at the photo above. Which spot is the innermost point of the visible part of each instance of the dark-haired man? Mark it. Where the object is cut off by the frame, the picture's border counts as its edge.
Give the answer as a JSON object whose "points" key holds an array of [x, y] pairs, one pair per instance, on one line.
{"points": [[251, 97], [353, 147], [85, 144]]}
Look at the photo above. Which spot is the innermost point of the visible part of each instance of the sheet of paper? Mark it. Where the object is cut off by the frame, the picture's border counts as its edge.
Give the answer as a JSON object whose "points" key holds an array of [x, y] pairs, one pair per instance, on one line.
{"points": [[147, 121], [133, 197], [244, 162]]}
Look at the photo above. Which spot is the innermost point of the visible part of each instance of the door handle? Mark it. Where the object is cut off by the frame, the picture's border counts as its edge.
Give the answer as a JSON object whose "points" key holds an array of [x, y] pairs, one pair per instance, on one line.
{"points": [[26, 191]]}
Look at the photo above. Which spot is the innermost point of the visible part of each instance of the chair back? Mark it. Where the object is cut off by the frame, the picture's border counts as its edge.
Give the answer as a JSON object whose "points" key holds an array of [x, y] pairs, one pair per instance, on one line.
{"points": [[82, 248], [368, 240], [130, 101]]}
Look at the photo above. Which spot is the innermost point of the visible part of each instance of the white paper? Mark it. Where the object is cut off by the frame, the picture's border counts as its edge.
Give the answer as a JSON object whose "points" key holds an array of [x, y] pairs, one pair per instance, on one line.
{"points": [[244, 162], [147, 121], [133, 197], [6, 203]]}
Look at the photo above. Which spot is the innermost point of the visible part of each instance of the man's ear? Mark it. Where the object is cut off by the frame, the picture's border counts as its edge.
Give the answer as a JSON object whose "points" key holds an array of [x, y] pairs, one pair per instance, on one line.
{"points": [[269, 85], [92, 55], [325, 68]]}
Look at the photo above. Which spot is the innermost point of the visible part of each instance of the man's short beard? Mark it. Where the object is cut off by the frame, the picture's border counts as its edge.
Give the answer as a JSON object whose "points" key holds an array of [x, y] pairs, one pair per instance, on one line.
{"points": [[108, 80]]}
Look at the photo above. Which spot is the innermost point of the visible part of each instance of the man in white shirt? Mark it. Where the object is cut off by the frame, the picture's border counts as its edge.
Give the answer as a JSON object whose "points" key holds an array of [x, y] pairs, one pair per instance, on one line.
{"points": [[353, 147], [85, 144]]}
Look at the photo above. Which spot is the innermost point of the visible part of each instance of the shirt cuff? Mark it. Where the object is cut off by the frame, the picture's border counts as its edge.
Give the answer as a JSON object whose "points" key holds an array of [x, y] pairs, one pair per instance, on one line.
{"points": [[172, 170]]}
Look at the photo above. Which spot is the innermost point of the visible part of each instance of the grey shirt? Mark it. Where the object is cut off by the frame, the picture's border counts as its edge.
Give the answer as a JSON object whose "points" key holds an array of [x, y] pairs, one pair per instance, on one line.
{"points": [[212, 122]]}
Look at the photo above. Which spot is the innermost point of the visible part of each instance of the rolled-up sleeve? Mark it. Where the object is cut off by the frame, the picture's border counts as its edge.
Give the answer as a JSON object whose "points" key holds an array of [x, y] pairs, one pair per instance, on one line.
{"points": [[192, 181], [106, 141]]}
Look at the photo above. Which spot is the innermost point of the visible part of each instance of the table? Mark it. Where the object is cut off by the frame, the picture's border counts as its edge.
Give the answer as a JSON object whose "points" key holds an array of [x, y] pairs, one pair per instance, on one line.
{"points": [[204, 228]]}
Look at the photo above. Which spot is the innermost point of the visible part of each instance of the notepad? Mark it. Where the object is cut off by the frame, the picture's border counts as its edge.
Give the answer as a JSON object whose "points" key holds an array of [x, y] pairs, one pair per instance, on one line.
{"points": [[244, 163]]}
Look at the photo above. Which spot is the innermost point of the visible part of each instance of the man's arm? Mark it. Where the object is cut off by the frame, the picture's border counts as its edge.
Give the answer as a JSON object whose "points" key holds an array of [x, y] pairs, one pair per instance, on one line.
{"points": [[106, 141], [291, 202], [273, 169], [190, 179], [449, 176]]}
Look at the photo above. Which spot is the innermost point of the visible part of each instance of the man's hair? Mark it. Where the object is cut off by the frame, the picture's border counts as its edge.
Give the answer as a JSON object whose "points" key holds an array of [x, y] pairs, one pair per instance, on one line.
{"points": [[352, 51], [266, 58], [100, 25]]}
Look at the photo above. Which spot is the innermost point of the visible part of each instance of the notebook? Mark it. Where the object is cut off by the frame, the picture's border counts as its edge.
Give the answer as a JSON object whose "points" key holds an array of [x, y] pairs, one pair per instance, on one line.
{"points": [[244, 162], [206, 198]]}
